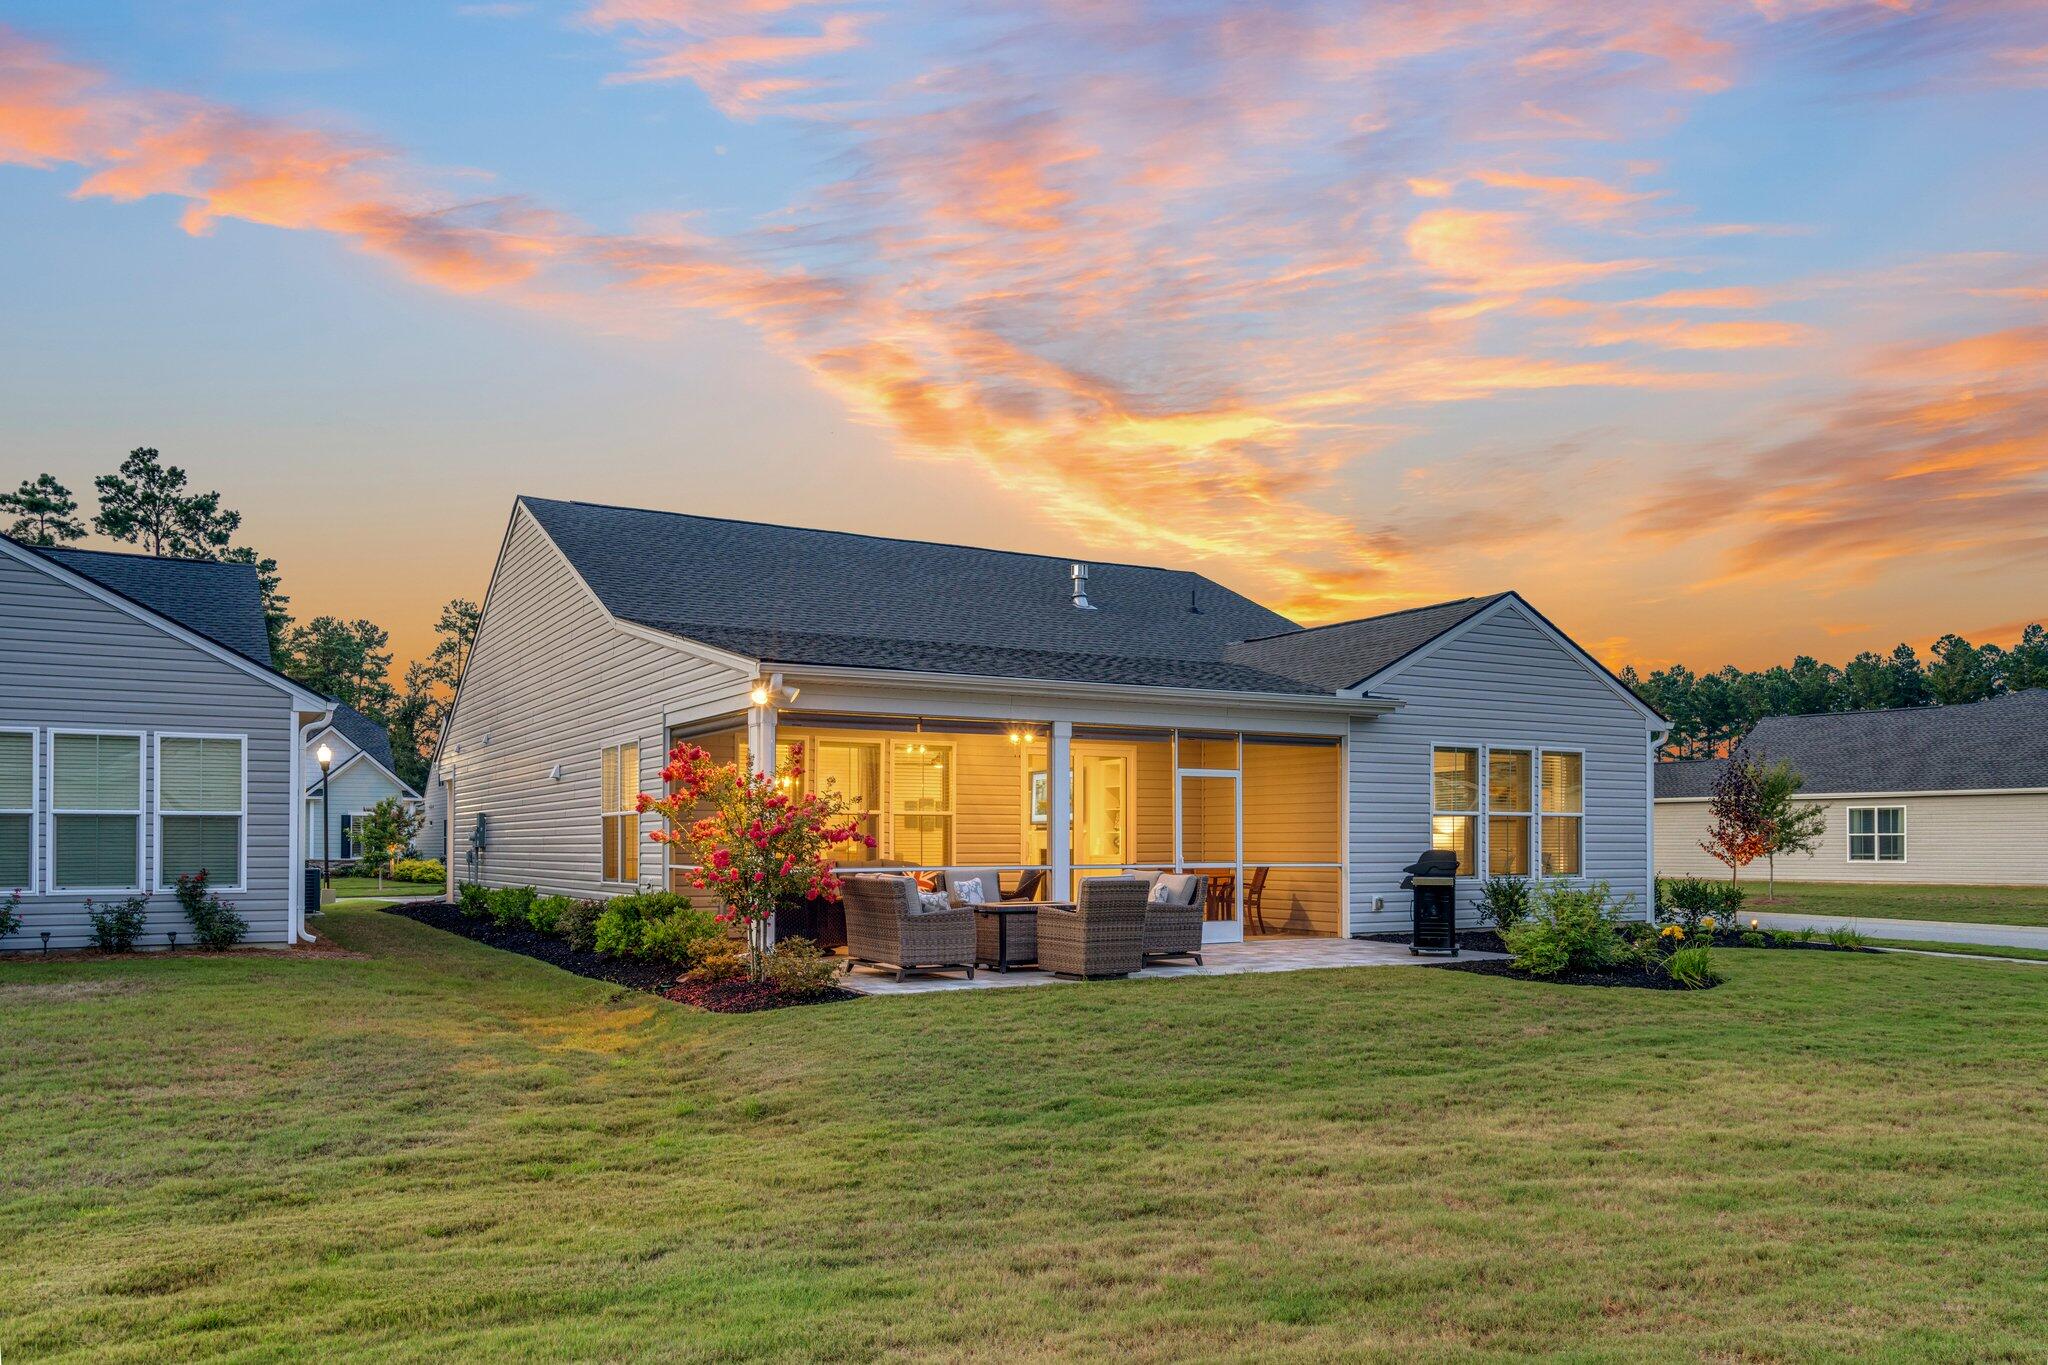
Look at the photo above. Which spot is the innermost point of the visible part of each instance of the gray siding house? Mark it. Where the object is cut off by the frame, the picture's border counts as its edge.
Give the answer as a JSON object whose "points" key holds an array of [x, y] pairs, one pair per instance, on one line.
{"points": [[144, 733], [986, 709], [1929, 794], [361, 771]]}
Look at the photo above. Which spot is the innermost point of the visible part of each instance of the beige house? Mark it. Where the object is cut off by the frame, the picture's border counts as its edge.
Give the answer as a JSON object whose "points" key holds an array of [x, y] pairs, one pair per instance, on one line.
{"points": [[1928, 794]]}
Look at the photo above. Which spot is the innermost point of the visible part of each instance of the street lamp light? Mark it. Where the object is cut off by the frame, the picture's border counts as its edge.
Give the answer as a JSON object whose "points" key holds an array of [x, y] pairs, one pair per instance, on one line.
{"points": [[326, 757]]}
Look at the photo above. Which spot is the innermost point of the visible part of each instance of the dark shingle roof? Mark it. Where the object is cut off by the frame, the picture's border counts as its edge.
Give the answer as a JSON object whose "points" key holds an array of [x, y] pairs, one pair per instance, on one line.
{"points": [[222, 602], [788, 594], [366, 734], [1992, 745], [1346, 654]]}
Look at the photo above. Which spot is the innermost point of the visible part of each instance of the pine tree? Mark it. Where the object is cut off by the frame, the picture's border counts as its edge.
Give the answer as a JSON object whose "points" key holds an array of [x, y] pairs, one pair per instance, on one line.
{"points": [[43, 511]]}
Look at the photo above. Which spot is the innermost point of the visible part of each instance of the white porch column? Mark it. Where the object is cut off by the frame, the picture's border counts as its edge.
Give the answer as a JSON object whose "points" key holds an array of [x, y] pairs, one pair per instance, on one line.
{"points": [[761, 759], [1059, 771]]}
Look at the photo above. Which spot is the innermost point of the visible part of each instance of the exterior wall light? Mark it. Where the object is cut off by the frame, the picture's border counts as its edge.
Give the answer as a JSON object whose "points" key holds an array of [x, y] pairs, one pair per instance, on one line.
{"points": [[759, 696]]}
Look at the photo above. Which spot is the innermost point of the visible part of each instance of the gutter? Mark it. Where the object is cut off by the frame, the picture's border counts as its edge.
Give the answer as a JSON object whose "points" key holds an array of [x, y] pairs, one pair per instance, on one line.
{"points": [[1087, 691]]}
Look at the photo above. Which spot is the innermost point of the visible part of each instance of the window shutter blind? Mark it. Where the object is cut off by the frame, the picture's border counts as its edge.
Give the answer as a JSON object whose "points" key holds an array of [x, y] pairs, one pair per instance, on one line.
{"points": [[203, 843], [97, 772], [17, 772], [94, 851], [201, 774]]}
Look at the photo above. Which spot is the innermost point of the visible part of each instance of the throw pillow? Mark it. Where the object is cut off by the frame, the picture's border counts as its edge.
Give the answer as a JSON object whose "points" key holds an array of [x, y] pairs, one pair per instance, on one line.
{"points": [[931, 902], [926, 881], [970, 892], [1162, 892]]}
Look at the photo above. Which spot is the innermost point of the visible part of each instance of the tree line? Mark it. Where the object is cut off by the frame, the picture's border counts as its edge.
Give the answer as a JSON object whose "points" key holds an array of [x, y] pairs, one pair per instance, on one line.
{"points": [[1711, 712], [152, 505]]}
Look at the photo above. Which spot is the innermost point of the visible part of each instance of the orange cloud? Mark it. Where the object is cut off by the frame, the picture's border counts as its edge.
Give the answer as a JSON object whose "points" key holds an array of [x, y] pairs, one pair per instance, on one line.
{"points": [[1580, 198], [1488, 253]]}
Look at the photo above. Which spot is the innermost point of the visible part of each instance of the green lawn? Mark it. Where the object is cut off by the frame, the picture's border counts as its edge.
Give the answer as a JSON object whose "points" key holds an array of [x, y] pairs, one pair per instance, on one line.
{"points": [[367, 886], [1966, 904], [433, 1150], [1963, 949]]}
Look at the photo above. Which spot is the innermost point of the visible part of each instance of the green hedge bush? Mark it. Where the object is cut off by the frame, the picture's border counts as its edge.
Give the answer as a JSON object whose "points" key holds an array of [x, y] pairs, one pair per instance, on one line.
{"points": [[1689, 901], [660, 925], [1570, 929], [426, 870]]}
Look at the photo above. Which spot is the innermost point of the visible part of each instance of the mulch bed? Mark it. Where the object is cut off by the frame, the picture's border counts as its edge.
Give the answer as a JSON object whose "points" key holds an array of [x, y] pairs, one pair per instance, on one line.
{"points": [[1631, 974], [656, 978], [745, 997]]}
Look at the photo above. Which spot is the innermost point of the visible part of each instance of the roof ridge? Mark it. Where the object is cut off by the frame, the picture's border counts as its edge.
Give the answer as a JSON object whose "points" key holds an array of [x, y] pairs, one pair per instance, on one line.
{"points": [[893, 540], [1383, 616], [1926, 707]]}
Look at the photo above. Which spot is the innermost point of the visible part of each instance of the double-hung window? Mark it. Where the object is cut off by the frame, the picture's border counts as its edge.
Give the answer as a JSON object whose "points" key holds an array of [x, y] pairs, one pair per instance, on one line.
{"points": [[17, 811], [1454, 805], [921, 803], [95, 811], [1877, 834], [620, 780], [201, 809], [1564, 814], [1510, 807]]}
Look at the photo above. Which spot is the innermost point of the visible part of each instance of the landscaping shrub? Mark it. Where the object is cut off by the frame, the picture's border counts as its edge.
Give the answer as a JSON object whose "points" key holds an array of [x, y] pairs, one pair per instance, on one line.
{"points": [[419, 870], [577, 924], [1693, 967], [1570, 929], [1690, 901], [10, 922], [719, 959], [654, 924], [1842, 936], [116, 925], [475, 900], [545, 915], [510, 906], [795, 965], [1506, 901], [215, 924], [1752, 939]]}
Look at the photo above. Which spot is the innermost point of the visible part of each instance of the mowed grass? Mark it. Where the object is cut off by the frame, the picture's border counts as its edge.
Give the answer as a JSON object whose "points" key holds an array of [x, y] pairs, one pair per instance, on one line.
{"points": [[391, 890], [437, 1151], [1964, 904], [1963, 949]]}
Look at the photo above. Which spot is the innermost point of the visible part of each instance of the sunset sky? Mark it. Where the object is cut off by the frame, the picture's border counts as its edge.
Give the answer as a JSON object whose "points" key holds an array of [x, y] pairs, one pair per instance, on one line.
{"points": [[1720, 330]]}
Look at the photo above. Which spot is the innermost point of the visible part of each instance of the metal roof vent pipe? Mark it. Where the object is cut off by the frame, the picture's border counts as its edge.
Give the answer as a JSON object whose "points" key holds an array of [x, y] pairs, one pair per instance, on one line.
{"points": [[1081, 602]]}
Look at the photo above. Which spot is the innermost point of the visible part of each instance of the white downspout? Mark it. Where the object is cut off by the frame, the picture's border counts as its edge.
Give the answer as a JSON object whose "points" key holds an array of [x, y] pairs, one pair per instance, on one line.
{"points": [[1650, 824]]}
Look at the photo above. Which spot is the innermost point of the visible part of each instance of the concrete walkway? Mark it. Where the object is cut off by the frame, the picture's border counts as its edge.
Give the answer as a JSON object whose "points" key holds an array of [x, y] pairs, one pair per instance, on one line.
{"points": [[1219, 959], [1920, 930]]}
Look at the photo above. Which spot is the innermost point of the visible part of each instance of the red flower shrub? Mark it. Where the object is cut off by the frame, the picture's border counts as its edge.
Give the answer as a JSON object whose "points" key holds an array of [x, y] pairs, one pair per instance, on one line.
{"points": [[758, 846]]}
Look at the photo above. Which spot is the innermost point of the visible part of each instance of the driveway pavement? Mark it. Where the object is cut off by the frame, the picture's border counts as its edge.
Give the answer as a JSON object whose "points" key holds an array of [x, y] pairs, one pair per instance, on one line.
{"points": [[1924, 930]]}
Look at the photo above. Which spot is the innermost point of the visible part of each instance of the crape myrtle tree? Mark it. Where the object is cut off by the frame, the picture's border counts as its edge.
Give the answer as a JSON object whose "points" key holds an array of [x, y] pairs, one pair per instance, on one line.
{"points": [[1739, 829]]}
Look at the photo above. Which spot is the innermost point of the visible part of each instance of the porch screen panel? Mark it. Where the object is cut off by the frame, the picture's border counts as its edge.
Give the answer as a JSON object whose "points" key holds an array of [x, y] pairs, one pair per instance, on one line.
{"points": [[921, 803], [17, 809], [1292, 799]]}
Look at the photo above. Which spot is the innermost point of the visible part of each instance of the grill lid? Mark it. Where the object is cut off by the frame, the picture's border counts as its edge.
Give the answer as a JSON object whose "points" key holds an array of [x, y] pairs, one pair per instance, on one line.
{"points": [[1434, 862]]}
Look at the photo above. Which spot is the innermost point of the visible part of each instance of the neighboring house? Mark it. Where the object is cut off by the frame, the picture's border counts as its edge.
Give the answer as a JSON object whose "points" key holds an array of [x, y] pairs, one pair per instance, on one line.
{"points": [[1925, 794], [970, 703], [144, 734], [360, 775], [432, 840]]}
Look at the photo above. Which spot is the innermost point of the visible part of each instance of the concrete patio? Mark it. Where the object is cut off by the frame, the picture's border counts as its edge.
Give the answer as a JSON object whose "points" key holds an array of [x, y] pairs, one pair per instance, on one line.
{"points": [[1223, 959]]}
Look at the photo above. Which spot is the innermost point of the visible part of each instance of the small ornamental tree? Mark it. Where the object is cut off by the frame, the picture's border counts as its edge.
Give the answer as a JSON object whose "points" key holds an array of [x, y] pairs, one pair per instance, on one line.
{"points": [[1796, 826], [1741, 827], [386, 831], [752, 843]]}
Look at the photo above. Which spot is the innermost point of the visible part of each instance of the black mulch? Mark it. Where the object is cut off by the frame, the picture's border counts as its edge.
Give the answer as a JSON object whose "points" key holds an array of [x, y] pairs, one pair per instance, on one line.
{"points": [[656, 978], [640, 976], [744, 997]]}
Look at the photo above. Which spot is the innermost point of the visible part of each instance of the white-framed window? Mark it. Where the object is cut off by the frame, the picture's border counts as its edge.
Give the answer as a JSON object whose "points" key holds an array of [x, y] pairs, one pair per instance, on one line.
{"points": [[1877, 834], [1510, 810], [921, 803], [1454, 798], [850, 769], [19, 784], [95, 810], [202, 809], [619, 794], [1563, 783]]}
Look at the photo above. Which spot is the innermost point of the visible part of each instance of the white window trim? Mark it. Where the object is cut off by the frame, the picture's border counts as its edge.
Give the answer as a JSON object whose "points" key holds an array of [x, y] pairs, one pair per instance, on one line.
{"points": [[605, 814], [1541, 750], [1482, 842], [1849, 836], [1478, 812], [156, 758], [33, 887], [951, 812], [51, 812]]}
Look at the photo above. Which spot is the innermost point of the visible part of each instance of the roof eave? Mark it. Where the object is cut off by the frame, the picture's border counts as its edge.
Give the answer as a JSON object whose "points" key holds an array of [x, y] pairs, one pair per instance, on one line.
{"points": [[1085, 691]]}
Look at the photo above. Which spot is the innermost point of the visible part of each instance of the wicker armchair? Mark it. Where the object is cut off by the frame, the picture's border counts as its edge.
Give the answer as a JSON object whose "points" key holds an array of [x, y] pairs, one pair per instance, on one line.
{"points": [[1173, 927], [884, 928], [1103, 936]]}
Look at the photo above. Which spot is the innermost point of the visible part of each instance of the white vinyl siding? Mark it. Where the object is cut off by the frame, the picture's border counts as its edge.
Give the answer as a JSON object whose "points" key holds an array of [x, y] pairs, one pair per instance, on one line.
{"points": [[19, 784], [95, 811], [201, 809]]}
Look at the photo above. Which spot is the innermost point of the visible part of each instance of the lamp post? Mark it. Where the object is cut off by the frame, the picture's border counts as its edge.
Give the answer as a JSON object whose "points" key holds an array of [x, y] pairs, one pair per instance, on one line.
{"points": [[326, 757]]}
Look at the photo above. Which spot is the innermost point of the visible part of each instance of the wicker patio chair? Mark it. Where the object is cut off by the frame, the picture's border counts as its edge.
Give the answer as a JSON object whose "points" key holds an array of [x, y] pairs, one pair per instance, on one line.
{"points": [[1102, 936], [1173, 927], [1027, 887], [885, 929]]}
